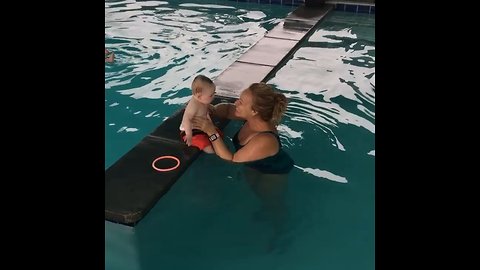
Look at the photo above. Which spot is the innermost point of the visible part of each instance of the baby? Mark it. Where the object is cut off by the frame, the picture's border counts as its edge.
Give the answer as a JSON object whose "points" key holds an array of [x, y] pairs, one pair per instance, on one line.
{"points": [[203, 92]]}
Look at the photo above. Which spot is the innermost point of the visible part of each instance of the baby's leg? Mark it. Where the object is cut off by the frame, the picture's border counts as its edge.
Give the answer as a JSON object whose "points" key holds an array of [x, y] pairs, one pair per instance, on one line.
{"points": [[208, 149]]}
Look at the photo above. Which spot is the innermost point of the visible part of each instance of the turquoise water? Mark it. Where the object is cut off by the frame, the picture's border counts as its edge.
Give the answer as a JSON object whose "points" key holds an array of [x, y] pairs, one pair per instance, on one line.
{"points": [[160, 47], [207, 220]]}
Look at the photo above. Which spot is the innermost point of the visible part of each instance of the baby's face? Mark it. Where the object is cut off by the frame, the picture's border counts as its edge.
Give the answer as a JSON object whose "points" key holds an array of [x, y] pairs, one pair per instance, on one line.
{"points": [[207, 94]]}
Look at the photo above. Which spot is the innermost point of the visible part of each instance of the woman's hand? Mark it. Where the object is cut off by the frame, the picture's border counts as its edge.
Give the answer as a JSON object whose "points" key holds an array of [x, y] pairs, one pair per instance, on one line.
{"points": [[188, 140], [204, 124]]}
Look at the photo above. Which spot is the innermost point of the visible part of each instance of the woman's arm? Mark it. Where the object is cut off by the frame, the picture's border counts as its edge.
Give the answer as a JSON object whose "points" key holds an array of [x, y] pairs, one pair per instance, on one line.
{"points": [[206, 125], [260, 146], [221, 149]]}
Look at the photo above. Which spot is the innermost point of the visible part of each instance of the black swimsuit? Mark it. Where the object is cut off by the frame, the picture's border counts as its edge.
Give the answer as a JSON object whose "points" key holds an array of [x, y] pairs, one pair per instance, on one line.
{"points": [[280, 163]]}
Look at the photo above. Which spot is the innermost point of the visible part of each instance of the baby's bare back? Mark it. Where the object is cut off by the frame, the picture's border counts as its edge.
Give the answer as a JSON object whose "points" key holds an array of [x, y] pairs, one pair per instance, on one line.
{"points": [[194, 108]]}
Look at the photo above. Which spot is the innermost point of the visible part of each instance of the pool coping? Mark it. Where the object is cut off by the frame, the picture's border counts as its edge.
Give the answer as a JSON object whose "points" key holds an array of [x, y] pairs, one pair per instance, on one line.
{"points": [[265, 57], [356, 6]]}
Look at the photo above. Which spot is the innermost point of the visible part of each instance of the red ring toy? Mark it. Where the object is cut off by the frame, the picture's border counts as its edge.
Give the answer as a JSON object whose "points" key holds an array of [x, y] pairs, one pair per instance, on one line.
{"points": [[167, 169]]}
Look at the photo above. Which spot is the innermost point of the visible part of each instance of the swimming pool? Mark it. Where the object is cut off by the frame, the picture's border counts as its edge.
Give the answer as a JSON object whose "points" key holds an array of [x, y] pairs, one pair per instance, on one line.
{"points": [[207, 220], [159, 47]]}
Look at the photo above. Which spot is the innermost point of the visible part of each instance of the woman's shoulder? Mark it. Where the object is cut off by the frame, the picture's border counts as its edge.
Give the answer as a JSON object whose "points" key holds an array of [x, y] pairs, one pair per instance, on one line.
{"points": [[269, 139]]}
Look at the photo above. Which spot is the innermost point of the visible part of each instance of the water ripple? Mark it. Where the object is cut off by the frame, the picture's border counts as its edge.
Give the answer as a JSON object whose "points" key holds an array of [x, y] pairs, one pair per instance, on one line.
{"points": [[156, 43], [330, 83]]}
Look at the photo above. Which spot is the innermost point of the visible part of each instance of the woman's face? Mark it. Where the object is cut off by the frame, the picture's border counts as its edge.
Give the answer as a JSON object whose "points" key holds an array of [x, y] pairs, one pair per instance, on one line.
{"points": [[243, 105]]}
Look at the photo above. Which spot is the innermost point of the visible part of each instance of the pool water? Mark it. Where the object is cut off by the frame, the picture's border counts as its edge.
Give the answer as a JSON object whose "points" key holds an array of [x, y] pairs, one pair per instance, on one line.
{"points": [[159, 48]]}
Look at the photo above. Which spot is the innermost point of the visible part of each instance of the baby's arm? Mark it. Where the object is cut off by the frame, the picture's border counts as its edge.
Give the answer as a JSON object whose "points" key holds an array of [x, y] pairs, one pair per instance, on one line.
{"points": [[187, 121]]}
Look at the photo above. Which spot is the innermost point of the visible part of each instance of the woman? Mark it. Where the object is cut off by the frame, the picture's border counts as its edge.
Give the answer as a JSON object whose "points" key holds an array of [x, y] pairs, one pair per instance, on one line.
{"points": [[258, 146], [257, 142]]}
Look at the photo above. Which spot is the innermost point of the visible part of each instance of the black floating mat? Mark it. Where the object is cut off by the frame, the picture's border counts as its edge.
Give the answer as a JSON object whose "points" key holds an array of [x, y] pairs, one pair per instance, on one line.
{"points": [[133, 186]]}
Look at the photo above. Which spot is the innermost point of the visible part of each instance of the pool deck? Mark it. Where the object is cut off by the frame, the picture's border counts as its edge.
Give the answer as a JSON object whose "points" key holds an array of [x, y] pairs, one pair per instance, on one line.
{"points": [[264, 58]]}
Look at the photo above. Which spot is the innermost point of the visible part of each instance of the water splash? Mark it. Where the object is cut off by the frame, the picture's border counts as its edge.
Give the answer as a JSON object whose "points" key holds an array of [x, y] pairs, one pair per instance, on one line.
{"points": [[324, 174]]}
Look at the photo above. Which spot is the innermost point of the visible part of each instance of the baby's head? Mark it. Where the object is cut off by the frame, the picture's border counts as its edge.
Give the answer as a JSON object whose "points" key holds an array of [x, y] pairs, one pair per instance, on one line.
{"points": [[203, 89]]}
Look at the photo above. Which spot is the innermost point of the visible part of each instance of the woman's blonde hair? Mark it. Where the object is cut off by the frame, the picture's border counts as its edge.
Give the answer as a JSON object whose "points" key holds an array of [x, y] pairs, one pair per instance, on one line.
{"points": [[269, 105]]}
